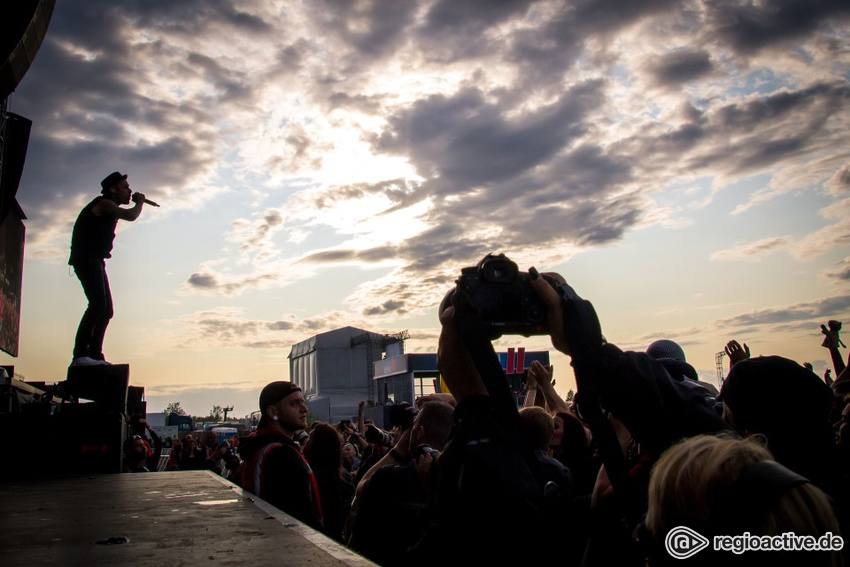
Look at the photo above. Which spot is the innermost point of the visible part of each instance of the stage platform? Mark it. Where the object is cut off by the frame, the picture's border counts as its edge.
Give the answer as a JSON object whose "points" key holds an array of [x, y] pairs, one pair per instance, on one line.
{"points": [[164, 518]]}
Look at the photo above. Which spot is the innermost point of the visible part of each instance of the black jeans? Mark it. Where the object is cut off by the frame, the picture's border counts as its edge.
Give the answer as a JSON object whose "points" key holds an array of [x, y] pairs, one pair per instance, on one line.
{"points": [[92, 329]]}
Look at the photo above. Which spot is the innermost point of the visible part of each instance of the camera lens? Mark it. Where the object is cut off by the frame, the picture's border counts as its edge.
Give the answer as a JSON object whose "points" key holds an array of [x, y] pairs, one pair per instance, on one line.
{"points": [[378, 436]]}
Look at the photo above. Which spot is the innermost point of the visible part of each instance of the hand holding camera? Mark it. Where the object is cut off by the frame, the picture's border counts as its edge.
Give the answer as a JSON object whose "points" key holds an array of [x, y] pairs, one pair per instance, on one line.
{"points": [[501, 297], [494, 298]]}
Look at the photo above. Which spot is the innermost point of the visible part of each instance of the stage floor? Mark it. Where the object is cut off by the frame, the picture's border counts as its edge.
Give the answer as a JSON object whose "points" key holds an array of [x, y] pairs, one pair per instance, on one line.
{"points": [[167, 519]]}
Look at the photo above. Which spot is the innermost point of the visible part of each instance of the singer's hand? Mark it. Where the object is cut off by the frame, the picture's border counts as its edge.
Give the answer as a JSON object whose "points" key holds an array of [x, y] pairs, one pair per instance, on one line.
{"points": [[138, 197]]}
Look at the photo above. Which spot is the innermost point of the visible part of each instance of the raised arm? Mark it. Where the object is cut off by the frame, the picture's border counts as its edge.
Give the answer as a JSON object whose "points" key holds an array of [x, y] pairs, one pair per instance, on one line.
{"points": [[543, 377], [455, 363], [831, 342], [153, 460], [361, 417], [530, 391]]}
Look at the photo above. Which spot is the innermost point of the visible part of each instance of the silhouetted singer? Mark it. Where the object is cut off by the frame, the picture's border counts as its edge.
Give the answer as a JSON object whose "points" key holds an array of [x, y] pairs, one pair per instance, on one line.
{"points": [[91, 245]]}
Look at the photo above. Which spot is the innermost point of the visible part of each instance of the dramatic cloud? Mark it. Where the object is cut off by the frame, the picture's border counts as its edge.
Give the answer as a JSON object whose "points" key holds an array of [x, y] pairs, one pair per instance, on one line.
{"points": [[840, 182], [228, 327], [387, 307], [254, 234], [535, 165], [832, 236], [228, 284], [822, 309], [841, 272], [358, 154], [751, 26], [754, 250], [461, 111], [675, 68]]}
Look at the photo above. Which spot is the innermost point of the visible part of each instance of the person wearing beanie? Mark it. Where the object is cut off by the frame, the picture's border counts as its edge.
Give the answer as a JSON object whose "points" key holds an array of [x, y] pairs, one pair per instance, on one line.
{"points": [[665, 348], [672, 357], [274, 468]]}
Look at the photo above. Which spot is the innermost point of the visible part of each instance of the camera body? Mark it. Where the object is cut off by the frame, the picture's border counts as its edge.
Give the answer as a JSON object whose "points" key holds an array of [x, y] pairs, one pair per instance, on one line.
{"points": [[502, 298], [402, 415]]}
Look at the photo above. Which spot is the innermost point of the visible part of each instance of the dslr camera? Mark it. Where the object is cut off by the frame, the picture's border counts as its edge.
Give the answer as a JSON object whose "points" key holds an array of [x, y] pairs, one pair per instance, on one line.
{"points": [[378, 436], [501, 296], [402, 415]]}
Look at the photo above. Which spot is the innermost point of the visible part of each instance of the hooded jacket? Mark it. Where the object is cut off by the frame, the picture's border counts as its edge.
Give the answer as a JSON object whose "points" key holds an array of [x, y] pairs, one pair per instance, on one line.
{"points": [[275, 470]]}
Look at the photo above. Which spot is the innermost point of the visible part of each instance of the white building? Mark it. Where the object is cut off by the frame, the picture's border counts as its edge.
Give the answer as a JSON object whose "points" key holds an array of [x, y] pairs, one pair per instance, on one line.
{"points": [[336, 369]]}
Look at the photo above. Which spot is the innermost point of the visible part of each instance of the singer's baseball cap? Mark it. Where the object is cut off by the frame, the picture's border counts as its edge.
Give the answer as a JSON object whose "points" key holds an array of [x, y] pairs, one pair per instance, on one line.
{"points": [[112, 179]]}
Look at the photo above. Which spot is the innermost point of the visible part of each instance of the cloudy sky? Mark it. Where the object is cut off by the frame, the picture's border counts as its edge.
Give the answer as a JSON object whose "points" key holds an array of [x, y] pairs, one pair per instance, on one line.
{"points": [[684, 164]]}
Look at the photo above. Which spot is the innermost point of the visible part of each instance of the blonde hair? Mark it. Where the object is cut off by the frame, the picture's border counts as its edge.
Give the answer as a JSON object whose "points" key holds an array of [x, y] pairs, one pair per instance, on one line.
{"points": [[693, 484], [689, 479]]}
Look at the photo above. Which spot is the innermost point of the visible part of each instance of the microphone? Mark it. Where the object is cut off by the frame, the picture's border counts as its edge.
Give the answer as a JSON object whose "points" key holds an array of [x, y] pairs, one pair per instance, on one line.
{"points": [[146, 201]]}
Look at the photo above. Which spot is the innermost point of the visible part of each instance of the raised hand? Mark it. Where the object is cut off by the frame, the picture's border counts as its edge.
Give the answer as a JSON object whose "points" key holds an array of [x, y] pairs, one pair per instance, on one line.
{"points": [[736, 353], [539, 374]]}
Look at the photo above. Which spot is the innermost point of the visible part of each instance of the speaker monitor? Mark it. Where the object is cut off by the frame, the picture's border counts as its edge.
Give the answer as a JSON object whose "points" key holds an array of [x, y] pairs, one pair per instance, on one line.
{"points": [[15, 143], [105, 385]]}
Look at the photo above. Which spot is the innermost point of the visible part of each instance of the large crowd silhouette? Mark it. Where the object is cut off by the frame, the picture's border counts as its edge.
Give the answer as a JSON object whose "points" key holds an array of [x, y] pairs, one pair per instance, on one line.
{"points": [[758, 469]]}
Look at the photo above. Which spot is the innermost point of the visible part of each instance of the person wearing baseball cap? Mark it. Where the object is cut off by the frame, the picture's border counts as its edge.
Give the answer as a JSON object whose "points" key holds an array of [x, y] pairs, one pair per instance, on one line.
{"points": [[274, 468], [91, 245]]}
